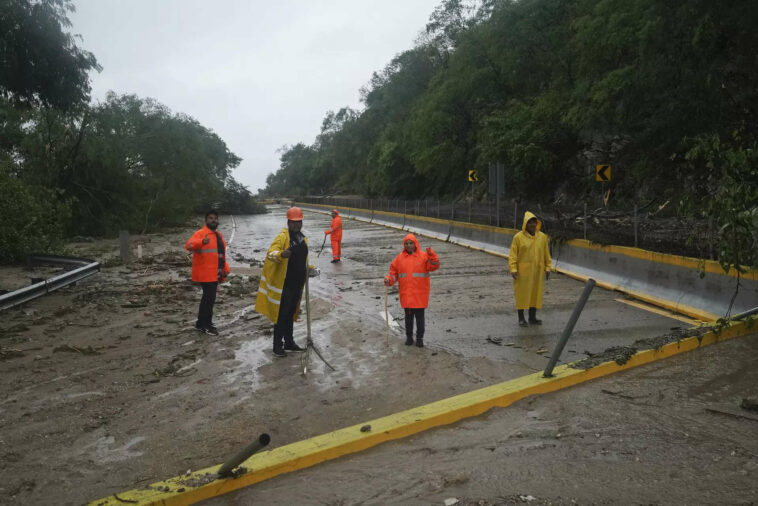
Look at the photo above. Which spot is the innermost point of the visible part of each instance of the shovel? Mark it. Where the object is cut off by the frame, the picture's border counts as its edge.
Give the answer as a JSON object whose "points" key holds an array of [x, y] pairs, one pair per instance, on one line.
{"points": [[322, 247], [309, 345]]}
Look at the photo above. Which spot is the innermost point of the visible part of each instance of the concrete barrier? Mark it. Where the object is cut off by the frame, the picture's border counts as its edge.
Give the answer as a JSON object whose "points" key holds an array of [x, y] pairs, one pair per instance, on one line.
{"points": [[388, 219], [429, 227], [696, 288], [686, 285], [493, 240]]}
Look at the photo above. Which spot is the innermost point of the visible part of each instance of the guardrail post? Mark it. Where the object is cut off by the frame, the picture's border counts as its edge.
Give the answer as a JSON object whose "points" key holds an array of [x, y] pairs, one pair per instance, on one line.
{"points": [[710, 237], [497, 208], [515, 215], [635, 225], [584, 221], [569, 328]]}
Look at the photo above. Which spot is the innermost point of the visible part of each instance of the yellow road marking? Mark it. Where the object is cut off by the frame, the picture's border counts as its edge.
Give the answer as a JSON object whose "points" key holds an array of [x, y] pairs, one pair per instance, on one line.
{"points": [[202, 484], [653, 309]]}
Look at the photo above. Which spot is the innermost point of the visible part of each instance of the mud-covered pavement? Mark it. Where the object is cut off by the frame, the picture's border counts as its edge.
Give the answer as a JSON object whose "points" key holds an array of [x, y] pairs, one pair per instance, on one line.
{"points": [[655, 435], [113, 389]]}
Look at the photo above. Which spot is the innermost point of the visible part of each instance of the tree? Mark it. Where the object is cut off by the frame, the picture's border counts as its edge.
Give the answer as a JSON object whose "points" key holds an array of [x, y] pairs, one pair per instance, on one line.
{"points": [[41, 63]]}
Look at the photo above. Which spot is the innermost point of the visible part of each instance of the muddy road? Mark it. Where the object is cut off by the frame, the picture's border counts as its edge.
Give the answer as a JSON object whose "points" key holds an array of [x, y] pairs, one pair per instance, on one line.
{"points": [[655, 435], [112, 388]]}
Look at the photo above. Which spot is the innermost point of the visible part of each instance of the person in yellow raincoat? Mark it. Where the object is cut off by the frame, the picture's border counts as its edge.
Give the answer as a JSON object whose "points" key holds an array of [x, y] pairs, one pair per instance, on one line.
{"points": [[528, 260], [282, 282]]}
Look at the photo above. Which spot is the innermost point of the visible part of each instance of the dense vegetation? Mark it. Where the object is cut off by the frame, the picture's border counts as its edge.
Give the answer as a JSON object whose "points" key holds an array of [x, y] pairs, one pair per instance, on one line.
{"points": [[667, 92], [71, 167]]}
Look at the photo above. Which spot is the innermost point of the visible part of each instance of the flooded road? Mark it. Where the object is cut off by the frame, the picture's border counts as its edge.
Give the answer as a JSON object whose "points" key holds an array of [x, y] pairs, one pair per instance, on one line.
{"points": [[471, 300], [113, 389]]}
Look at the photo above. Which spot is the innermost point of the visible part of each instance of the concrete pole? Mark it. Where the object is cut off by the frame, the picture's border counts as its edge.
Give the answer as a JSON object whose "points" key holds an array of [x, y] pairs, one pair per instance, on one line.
{"points": [[569, 328], [124, 242]]}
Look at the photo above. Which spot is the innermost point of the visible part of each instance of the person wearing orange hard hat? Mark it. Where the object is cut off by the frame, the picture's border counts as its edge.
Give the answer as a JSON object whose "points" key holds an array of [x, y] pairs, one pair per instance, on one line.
{"points": [[336, 233], [282, 281], [411, 270]]}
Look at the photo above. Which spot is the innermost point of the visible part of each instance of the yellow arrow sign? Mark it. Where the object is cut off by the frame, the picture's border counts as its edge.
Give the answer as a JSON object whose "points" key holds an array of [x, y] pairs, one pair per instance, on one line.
{"points": [[603, 173], [473, 176]]}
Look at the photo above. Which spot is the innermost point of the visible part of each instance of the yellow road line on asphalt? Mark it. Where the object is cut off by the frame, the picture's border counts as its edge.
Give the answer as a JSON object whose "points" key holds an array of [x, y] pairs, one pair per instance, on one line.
{"points": [[652, 309], [200, 485]]}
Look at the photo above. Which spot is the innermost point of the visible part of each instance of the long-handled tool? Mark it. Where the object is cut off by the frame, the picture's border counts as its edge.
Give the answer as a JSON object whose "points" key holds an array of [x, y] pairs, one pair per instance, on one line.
{"points": [[309, 343], [322, 247], [387, 312]]}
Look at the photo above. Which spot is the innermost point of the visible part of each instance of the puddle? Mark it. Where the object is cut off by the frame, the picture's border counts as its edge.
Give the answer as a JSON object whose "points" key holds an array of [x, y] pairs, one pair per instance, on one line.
{"points": [[105, 452]]}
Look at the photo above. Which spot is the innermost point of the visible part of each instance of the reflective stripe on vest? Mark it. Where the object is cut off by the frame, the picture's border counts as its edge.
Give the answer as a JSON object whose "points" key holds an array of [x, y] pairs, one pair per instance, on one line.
{"points": [[401, 275], [263, 291], [420, 274], [270, 286], [212, 250]]}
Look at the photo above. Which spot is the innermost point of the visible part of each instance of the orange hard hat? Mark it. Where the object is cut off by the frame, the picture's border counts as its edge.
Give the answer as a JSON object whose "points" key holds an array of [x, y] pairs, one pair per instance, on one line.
{"points": [[294, 214]]}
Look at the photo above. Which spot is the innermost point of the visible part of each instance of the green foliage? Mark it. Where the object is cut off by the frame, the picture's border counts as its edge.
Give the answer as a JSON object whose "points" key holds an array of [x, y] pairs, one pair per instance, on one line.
{"points": [[549, 88], [126, 163], [32, 219], [67, 167], [41, 64], [727, 192]]}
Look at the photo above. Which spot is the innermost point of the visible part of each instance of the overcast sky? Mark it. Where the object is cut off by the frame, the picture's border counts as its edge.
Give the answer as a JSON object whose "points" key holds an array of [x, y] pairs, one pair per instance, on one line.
{"points": [[260, 74]]}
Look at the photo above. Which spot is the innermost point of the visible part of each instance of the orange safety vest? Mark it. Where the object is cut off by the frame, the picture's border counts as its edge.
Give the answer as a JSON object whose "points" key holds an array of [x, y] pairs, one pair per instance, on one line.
{"points": [[412, 272], [205, 256]]}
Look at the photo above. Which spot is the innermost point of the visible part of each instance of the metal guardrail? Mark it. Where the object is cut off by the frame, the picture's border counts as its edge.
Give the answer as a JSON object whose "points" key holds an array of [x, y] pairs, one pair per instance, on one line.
{"points": [[77, 269]]}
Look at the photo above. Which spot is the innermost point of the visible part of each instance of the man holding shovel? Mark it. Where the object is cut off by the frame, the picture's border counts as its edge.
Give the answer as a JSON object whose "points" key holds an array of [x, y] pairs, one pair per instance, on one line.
{"points": [[282, 280], [411, 269], [336, 233]]}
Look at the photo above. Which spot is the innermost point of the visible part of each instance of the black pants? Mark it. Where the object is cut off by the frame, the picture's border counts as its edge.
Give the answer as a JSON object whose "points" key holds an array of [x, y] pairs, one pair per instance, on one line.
{"points": [[205, 314], [418, 314], [284, 327]]}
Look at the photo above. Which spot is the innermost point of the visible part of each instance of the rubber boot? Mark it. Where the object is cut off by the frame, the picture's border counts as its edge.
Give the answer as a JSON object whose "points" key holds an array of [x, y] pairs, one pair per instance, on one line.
{"points": [[521, 319], [419, 342], [409, 340], [533, 316]]}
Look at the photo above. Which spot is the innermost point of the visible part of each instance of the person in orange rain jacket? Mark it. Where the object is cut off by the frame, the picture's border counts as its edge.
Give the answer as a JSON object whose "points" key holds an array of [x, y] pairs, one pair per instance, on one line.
{"points": [[336, 232], [411, 269], [209, 268]]}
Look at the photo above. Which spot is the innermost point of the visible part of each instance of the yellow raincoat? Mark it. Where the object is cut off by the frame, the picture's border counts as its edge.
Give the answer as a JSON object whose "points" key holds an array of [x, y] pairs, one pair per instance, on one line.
{"points": [[530, 258], [272, 278]]}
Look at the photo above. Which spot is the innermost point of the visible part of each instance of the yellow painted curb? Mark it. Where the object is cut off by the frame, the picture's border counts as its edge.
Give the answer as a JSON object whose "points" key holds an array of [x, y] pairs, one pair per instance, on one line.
{"points": [[202, 485]]}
